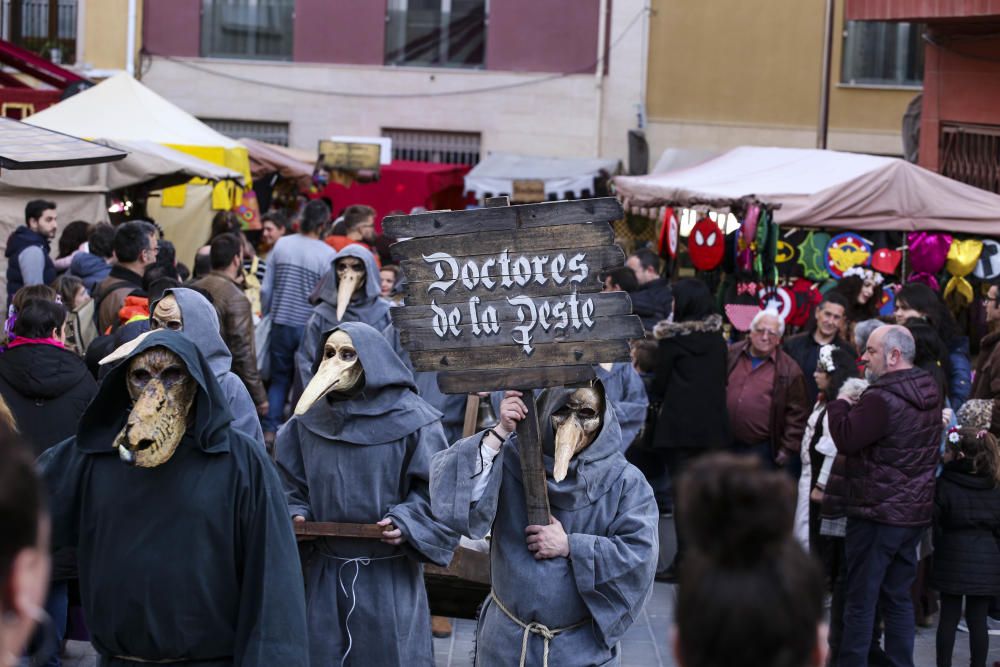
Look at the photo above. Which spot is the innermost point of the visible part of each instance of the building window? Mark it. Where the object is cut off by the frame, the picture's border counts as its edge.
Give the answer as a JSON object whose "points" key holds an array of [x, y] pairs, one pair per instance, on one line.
{"points": [[880, 53], [260, 29], [45, 27], [272, 133], [439, 33], [434, 146]]}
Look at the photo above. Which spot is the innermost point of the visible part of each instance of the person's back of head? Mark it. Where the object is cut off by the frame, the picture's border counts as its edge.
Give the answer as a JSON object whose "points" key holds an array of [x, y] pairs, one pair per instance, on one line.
{"points": [[862, 330], [101, 240], [225, 248], [225, 222], [32, 293], [73, 236], [622, 278], [748, 593], [357, 214], [39, 319], [692, 300], [644, 353], [315, 215], [24, 544], [131, 239], [898, 338]]}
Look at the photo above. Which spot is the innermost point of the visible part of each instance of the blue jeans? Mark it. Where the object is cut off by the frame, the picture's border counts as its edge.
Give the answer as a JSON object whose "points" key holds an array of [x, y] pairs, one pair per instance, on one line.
{"points": [[283, 342], [881, 566]]}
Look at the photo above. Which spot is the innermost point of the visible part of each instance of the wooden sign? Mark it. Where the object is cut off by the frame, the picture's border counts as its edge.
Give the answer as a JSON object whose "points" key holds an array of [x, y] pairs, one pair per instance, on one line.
{"points": [[507, 297], [367, 531], [528, 191], [495, 290], [348, 156]]}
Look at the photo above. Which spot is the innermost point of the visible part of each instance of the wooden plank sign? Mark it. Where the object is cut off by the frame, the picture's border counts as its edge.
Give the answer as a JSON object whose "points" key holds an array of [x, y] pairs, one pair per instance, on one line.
{"points": [[511, 288]]}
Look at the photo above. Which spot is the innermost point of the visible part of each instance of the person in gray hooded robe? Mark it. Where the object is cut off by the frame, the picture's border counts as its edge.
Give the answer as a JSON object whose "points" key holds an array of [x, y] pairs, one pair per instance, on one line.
{"points": [[568, 592], [628, 397], [350, 292], [188, 311], [358, 450]]}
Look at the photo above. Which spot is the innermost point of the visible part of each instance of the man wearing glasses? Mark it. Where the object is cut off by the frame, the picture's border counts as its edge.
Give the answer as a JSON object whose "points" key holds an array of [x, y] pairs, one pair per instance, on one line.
{"points": [[136, 245], [766, 394], [986, 383]]}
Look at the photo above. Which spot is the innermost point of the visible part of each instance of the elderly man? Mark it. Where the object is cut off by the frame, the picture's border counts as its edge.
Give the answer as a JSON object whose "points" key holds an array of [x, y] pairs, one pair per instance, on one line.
{"points": [[766, 394], [890, 436]]}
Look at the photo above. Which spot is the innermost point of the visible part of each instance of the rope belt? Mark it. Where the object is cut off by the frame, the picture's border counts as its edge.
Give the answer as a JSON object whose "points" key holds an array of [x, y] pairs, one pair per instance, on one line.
{"points": [[358, 562], [535, 628]]}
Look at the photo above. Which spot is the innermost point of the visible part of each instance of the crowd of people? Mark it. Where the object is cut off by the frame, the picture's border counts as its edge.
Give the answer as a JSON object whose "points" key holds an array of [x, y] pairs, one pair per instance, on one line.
{"points": [[185, 421]]}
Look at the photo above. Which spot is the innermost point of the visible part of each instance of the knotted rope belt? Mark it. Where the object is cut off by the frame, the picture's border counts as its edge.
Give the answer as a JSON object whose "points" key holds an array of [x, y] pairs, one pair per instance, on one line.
{"points": [[535, 628]]}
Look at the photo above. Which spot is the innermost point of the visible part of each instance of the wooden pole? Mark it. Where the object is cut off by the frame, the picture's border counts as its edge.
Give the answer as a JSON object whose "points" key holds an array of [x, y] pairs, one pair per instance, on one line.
{"points": [[529, 444], [471, 415]]}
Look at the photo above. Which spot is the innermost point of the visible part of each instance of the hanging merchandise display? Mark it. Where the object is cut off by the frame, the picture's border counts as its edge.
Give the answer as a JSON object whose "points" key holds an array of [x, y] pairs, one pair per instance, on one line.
{"points": [[670, 233], [845, 251], [805, 297], [741, 303], [766, 244], [888, 304], [927, 251], [778, 299], [963, 256], [988, 266], [886, 260], [812, 255], [706, 245]]}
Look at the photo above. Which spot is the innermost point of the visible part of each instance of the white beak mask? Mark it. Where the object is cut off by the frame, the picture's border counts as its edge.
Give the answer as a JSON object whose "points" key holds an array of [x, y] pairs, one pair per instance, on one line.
{"points": [[340, 371], [351, 276], [576, 426]]}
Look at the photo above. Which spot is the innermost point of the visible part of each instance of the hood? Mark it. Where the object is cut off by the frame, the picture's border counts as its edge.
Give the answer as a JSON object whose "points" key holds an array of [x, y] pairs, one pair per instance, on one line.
{"points": [[960, 472], [668, 329], [41, 371], [386, 410], [915, 386], [327, 290], [591, 472], [201, 324], [86, 264], [23, 238], [106, 415]]}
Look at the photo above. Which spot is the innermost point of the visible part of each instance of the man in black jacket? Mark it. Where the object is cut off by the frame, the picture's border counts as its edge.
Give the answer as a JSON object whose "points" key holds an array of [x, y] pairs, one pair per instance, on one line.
{"points": [[824, 329], [653, 301]]}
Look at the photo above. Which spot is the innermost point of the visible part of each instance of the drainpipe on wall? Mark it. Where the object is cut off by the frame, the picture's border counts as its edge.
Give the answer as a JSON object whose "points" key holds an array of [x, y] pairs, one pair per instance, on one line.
{"points": [[824, 93], [130, 40], [602, 28]]}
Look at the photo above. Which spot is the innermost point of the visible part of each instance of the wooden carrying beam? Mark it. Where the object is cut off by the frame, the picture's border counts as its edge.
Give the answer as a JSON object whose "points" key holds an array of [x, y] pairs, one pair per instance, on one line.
{"points": [[512, 356], [520, 240], [364, 531], [462, 382]]}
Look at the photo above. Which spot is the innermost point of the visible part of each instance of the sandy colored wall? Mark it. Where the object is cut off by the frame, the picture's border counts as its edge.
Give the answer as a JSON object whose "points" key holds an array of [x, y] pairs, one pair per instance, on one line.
{"points": [[105, 32], [727, 73]]}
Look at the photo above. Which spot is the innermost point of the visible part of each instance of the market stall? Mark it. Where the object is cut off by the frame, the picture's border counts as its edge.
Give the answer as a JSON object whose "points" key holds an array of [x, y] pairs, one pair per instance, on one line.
{"points": [[528, 178], [122, 109], [770, 224]]}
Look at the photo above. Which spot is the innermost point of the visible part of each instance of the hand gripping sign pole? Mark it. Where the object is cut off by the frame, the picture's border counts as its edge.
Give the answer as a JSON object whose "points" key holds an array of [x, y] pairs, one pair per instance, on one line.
{"points": [[508, 297]]}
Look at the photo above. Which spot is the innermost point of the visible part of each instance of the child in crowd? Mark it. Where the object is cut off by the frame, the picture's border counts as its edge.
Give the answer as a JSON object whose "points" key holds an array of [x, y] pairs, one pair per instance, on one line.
{"points": [[966, 547]]}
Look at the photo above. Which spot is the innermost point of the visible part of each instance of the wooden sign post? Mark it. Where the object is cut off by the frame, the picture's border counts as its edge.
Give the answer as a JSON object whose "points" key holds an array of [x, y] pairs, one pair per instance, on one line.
{"points": [[508, 297]]}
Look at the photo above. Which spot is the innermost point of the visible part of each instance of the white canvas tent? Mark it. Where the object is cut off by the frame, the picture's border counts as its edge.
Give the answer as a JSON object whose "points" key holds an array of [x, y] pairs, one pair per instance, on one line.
{"points": [[496, 174], [817, 188]]}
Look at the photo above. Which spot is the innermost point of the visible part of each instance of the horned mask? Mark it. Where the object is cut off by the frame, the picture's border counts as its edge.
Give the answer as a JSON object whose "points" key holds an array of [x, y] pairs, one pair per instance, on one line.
{"points": [[351, 277], [576, 426], [162, 392], [340, 374]]}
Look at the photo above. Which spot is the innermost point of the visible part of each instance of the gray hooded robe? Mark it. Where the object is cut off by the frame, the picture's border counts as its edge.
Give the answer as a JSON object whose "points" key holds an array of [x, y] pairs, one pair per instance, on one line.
{"points": [[368, 307], [610, 516], [628, 397], [359, 460], [201, 325]]}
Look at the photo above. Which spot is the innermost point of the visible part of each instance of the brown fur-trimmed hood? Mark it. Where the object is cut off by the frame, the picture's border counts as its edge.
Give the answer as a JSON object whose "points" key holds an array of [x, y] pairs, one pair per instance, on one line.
{"points": [[668, 329]]}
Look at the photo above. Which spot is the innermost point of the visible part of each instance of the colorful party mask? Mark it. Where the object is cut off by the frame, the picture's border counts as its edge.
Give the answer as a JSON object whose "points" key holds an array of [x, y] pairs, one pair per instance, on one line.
{"points": [[706, 245], [845, 251]]}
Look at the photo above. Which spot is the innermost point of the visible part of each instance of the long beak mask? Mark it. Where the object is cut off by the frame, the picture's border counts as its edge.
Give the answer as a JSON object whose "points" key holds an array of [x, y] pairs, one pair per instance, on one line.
{"points": [[162, 394], [351, 275], [576, 426], [340, 372]]}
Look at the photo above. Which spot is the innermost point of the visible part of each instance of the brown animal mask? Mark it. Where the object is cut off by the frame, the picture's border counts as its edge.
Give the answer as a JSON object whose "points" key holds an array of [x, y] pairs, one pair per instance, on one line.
{"points": [[166, 315], [162, 394], [351, 276], [576, 425], [340, 372]]}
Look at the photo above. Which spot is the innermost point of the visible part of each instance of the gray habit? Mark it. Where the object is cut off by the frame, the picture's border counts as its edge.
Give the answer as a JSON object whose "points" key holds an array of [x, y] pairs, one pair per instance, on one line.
{"points": [[627, 394], [201, 325], [608, 511], [451, 406], [359, 460], [367, 307]]}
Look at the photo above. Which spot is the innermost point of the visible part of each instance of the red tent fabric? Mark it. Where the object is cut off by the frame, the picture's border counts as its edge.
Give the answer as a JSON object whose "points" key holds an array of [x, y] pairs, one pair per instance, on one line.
{"points": [[402, 185]]}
